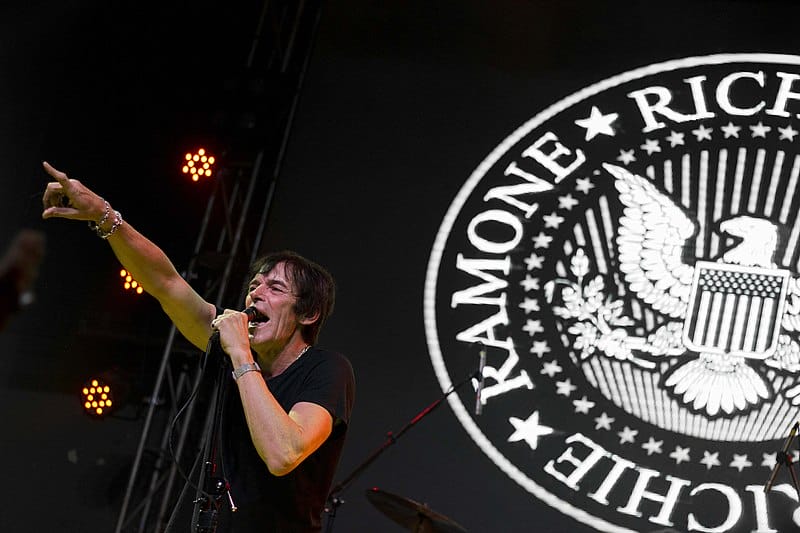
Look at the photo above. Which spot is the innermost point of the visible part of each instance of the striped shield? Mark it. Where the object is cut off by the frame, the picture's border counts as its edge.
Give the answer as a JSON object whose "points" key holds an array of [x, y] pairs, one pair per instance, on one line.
{"points": [[735, 310]]}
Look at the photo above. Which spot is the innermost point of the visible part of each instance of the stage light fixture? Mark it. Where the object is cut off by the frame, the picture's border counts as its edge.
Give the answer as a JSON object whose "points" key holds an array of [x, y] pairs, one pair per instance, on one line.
{"points": [[198, 165], [129, 283], [97, 398], [107, 393]]}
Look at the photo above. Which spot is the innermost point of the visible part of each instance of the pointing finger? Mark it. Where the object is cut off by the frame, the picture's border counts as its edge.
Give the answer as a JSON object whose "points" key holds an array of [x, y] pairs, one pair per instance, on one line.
{"points": [[59, 176]]}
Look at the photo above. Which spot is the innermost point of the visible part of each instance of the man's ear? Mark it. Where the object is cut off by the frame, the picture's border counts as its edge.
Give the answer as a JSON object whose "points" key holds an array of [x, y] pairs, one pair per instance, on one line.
{"points": [[309, 319]]}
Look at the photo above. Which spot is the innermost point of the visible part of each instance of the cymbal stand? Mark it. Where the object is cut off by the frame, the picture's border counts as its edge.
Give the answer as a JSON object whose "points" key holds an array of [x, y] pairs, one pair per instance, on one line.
{"points": [[784, 457], [334, 498]]}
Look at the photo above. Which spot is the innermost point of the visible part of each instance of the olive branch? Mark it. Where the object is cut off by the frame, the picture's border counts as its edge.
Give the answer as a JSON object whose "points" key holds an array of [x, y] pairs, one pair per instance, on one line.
{"points": [[596, 320]]}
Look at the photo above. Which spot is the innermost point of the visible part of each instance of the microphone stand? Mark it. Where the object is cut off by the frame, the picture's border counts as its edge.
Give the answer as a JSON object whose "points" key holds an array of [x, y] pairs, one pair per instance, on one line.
{"points": [[205, 516], [334, 499], [783, 457]]}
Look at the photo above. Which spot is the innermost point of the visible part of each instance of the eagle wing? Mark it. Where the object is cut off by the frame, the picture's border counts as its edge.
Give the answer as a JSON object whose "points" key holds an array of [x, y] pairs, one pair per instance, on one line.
{"points": [[791, 314], [652, 234], [787, 354]]}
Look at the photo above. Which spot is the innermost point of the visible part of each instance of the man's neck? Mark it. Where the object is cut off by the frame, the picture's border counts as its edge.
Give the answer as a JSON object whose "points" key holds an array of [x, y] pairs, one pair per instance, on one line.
{"points": [[280, 361]]}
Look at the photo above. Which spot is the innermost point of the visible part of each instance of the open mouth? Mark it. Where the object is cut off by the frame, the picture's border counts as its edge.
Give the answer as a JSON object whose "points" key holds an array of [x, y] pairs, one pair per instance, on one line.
{"points": [[258, 321]]}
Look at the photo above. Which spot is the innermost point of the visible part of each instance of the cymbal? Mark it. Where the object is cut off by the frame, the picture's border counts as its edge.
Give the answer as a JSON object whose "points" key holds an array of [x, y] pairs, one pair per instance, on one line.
{"points": [[414, 516]]}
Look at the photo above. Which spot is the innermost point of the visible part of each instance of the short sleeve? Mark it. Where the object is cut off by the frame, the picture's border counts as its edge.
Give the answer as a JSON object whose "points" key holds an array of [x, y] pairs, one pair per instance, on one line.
{"points": [[330, 383]]}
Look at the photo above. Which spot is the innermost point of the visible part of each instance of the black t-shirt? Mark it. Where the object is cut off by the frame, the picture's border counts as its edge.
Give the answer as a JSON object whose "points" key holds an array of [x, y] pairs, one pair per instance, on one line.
{"points": [[294, 502]]}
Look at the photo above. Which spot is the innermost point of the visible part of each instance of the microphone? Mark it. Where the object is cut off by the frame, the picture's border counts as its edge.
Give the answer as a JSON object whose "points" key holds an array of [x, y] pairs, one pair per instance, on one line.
{"points": [[251, 313], [479, 388]]}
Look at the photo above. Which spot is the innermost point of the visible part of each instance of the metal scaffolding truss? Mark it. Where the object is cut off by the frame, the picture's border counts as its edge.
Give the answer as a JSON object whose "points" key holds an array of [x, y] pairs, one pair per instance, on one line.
{"points": [[254, 120]]}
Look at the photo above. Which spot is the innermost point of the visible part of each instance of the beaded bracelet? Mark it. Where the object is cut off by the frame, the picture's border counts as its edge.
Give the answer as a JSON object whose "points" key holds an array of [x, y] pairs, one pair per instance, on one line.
{"points": [[103, 219], [95, 226], [114, 227]]}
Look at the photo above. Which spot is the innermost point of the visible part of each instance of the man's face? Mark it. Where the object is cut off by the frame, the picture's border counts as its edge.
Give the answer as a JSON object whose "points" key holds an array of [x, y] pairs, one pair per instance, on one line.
{"points": [[272, 294]]}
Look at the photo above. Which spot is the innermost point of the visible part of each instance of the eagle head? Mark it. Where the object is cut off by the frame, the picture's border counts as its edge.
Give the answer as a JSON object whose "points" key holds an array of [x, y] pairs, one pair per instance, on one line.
{"points": [[759, 240]]}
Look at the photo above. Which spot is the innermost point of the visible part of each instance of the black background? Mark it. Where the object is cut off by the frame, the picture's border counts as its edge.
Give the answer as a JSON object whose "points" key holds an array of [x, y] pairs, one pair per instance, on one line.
{"points": [[401, 102]]}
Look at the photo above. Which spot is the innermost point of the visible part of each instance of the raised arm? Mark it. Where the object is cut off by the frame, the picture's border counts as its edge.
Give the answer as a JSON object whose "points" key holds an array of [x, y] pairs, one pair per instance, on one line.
{"points": [[70, 199]]}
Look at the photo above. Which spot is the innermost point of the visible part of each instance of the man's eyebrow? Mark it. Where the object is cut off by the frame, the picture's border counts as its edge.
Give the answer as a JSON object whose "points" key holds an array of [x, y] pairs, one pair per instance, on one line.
{"points": [[271, 283]]}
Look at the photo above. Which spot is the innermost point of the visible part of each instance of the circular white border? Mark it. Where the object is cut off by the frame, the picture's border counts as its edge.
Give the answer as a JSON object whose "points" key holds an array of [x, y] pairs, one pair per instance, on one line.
{"points": [[429, 299]]}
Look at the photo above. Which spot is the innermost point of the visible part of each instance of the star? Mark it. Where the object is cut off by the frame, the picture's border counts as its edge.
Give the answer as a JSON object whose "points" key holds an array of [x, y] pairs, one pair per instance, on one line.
{"points": [[653, 446], [552, 221], [567, 202], [584, 185], [534, 261], [541, 240], [702, 133], [529, 305], [710, 459], [565, 388], [650, 146], [770, 460], [540, 348], [529, 283], [730, 130], [627, 435], [583, 405], [787, 133], [551, 368], [597, 123], [533, 327], [603, 421], [626, 157], [759, 130], [680, 454], [740, 462], [674, 139], [528, 430]]}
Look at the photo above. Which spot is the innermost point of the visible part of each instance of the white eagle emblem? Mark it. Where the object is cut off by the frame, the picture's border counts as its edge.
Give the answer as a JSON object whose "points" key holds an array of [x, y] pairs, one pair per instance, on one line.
{"points": [[727, 319]]}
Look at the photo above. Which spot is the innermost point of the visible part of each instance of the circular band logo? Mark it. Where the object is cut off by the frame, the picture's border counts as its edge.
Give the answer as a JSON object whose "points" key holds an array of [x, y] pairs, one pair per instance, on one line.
{"points": [[628, 260]]}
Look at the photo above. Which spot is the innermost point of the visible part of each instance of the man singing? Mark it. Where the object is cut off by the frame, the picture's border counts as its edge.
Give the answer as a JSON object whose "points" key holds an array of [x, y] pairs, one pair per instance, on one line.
{"points": [[283, 433]]}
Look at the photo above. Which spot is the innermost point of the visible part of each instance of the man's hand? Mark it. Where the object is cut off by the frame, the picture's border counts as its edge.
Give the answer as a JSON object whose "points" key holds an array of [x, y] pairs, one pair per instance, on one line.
{"points": [[69, 198], [234, 340]]}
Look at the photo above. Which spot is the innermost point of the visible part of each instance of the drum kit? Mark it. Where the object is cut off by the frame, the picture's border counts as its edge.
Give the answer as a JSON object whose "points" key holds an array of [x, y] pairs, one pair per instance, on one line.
{"points": [[413, 516]]}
